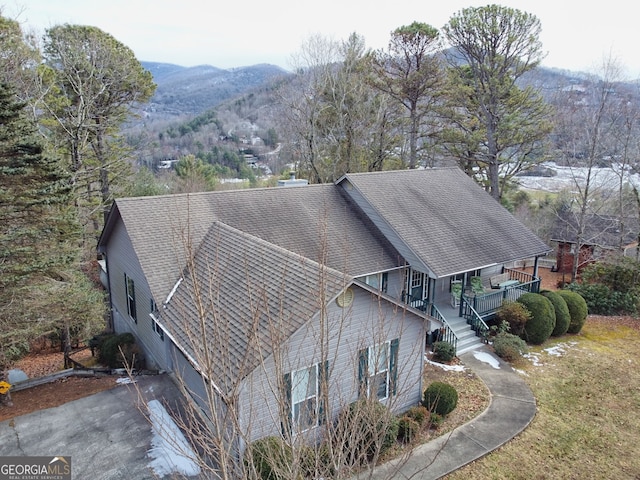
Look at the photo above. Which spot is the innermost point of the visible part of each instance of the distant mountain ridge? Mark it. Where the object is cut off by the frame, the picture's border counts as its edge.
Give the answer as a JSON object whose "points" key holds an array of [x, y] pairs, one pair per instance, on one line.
{"points": [[193, 90]]}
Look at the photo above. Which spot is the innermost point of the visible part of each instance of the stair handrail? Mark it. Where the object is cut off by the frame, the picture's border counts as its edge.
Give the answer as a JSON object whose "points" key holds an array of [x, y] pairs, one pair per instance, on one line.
{"points": [[448, 335], [475, 320]]}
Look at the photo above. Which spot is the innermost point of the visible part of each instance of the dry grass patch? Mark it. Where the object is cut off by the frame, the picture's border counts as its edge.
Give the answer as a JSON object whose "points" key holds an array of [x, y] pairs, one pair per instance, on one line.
{"points": [[588, 391]]}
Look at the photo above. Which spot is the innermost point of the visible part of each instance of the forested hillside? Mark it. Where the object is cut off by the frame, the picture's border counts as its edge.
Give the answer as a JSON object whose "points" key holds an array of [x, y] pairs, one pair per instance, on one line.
{"points": [[191, 91]]}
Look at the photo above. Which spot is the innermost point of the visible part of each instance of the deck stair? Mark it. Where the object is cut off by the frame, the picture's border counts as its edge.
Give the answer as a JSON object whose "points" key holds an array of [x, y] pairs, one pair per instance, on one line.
{"points": [[467, 338]]}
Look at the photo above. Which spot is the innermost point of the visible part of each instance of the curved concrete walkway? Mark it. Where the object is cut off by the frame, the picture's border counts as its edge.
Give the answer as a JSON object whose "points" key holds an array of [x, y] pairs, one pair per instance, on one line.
{"points": [[511, 409]]}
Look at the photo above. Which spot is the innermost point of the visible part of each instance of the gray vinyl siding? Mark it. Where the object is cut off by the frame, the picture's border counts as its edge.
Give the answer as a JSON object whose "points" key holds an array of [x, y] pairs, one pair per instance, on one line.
{"points": [[190, 378], [396, 283], [363, 324], [122, 260], [386, 230]]}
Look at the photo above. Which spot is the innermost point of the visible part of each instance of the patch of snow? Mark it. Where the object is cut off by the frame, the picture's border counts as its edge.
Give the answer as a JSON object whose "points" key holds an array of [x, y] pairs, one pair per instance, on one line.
{"points": [[556, 351], [16, 376], [447, 368], [521, 372], [487, 358], [534, 358], [170, 451], [124, 381]]}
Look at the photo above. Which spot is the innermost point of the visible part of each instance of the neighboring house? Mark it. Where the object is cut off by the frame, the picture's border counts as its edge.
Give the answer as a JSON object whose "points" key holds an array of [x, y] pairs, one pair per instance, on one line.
{"points": [[602, 235], [283, 305]]}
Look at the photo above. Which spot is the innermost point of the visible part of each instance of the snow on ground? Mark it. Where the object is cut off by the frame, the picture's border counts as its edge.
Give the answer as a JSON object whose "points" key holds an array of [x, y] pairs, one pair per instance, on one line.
{"points": [[124, 381], [448, 368], [534, 358], [487, 358], [558, 350], [170, 451]]}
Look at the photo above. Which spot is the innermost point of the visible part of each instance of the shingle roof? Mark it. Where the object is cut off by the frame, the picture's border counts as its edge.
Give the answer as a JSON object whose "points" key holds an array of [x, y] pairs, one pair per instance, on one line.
{"points": [[315, 221], [446, 219], [247, 295]]}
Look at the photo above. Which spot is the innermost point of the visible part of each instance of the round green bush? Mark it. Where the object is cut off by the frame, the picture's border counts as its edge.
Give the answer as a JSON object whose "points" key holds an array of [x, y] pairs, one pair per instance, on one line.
{"points": [[443, 351], [408, 428], [515, 314], [440, 398], [509, 346], [270, 458], [577, 310], [419, 413], [543, 318], [563, 318]]}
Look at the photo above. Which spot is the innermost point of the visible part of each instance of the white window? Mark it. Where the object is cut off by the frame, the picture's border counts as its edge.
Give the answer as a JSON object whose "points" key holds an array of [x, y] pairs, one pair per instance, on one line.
{"points": [[304, 397], [377, 369], [303, 388], [156, 327], [377, 281], [373, 281], [416, 279]]}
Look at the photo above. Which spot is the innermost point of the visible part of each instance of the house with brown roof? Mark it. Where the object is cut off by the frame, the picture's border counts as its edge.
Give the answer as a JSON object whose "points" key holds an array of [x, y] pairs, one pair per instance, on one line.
{"points": [[600, 236], [280, 306]]}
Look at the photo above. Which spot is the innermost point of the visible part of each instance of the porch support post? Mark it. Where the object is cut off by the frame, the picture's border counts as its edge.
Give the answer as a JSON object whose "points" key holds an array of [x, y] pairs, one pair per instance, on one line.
{"points": [[535, 266], [464, 284]]}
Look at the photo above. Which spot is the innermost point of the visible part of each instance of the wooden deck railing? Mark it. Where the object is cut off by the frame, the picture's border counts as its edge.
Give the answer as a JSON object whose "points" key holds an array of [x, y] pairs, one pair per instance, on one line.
{"points": [[523, 277]]}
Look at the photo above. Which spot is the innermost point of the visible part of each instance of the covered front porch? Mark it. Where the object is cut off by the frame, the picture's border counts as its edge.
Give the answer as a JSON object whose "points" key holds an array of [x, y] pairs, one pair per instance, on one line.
{"points": [[464, 318]]}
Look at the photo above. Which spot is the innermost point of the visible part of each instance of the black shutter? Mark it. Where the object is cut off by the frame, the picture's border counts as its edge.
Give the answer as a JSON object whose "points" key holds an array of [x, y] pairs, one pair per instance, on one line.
{"points": [[363, 372], [323, 391], [286, 420], [393, 365]]}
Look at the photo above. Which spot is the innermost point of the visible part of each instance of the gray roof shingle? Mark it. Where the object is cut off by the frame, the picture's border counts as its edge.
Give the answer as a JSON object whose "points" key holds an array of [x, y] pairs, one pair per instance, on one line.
{"points": [[446, 219], [314, 221], [248, 295]]}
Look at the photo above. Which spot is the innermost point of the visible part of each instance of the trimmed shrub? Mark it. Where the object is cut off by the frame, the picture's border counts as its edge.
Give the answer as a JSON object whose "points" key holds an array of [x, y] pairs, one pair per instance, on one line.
{"points": [[365, 428], [543, 318], [603, 300], [419, 414], [577, 310], [270, 458], [563, 318], [440, 398], [435, 420], [109, 353], [408, 428], [509, 346], [515, 315], [444, 351]]}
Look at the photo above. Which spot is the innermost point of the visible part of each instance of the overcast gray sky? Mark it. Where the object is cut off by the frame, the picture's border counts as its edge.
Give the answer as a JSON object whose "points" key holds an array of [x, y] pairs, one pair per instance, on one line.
{"points": [[576, 34]]}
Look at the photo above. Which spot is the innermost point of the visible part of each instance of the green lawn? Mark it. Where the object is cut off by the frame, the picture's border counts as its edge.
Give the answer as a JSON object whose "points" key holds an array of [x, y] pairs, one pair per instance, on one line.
{"points": [[588, 421]]}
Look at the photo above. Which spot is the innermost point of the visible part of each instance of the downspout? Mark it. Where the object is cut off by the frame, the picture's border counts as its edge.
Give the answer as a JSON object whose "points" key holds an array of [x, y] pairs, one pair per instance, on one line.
{"points": [[109, 301]]}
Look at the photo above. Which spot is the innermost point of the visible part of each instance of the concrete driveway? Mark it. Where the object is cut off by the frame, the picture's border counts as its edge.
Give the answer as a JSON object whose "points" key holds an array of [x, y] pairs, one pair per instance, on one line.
{"points": [[106, 434]]}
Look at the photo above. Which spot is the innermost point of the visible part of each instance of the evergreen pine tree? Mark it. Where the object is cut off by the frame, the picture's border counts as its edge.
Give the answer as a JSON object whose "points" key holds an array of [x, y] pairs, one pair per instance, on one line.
{"points": [[41, 287]]}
